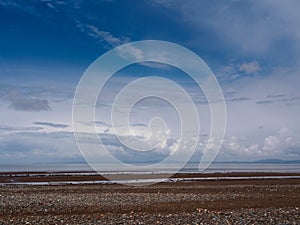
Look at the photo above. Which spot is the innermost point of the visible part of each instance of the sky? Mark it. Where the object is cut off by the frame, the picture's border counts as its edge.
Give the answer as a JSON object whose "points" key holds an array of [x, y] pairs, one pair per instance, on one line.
{"points": [[252, 47]]}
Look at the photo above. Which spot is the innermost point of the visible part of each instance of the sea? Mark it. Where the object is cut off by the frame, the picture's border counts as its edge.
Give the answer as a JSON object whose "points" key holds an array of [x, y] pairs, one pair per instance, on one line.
{"points": [[189, 168]]}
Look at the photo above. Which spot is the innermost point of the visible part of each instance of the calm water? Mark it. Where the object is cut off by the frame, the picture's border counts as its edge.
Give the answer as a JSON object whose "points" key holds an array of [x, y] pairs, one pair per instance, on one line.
{"points": [[189, 168], [246, 167]]}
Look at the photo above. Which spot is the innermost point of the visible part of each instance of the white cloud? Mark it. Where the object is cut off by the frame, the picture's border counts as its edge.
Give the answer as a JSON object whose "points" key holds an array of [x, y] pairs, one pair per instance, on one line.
{"points": [[271, 144], [237, 70], [278, 146], [284, 144], [101, 35], [130, 52], [250, 68]]}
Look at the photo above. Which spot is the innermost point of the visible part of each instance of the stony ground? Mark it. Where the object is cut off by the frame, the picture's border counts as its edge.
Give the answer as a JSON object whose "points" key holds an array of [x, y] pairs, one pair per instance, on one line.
{"points": [[209, 202]]}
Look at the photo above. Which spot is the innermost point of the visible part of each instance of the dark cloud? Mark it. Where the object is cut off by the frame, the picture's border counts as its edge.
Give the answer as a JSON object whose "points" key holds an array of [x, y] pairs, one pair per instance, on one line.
{"points": [[295, 98], [101, 123], [230, 93], [228, 98], [238, 99], [139, 125], [278, 99], [26, 104], [9, 128], [276, 96], [262, 102], [54, 125], [21, 102], [260, 127], [102, 105], [34, 98]]}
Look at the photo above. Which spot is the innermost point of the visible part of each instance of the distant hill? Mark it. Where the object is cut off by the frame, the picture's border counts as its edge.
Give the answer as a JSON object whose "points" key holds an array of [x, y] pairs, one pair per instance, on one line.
{"points": [[277, 161], [265, 161]]}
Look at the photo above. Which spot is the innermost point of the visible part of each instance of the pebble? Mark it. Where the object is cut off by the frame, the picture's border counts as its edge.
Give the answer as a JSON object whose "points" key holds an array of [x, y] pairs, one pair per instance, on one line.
{"points": [[88, 204]]}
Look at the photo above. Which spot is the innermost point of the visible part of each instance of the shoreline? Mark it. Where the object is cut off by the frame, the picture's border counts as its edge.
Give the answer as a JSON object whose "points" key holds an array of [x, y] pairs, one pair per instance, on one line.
{"points": [[88, 177]]}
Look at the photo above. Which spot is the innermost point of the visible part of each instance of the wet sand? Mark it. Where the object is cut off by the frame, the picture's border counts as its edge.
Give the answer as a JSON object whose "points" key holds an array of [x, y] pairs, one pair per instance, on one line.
{"points": [[242, 201], [85, 176]]}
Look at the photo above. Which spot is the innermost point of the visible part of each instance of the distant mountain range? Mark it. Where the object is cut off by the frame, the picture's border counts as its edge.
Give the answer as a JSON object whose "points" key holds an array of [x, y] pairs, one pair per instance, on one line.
{"points": [[265, 161]]}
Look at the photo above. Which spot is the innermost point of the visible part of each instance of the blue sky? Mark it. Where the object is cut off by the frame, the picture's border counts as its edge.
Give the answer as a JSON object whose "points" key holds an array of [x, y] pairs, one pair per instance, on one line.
{"points": [[253, 48]]}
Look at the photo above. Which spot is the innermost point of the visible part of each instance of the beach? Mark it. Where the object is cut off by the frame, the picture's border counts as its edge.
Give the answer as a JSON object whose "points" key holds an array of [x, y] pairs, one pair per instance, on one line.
{"points": [[263, 200]]}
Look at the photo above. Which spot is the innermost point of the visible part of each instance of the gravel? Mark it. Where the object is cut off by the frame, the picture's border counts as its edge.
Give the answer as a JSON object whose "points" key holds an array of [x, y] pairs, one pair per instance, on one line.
{"points": [[182, 203]]}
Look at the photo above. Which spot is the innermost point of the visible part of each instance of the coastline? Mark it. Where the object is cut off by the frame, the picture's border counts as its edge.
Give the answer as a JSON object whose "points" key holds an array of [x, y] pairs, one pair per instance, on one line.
{"points": [[88, 177]]}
